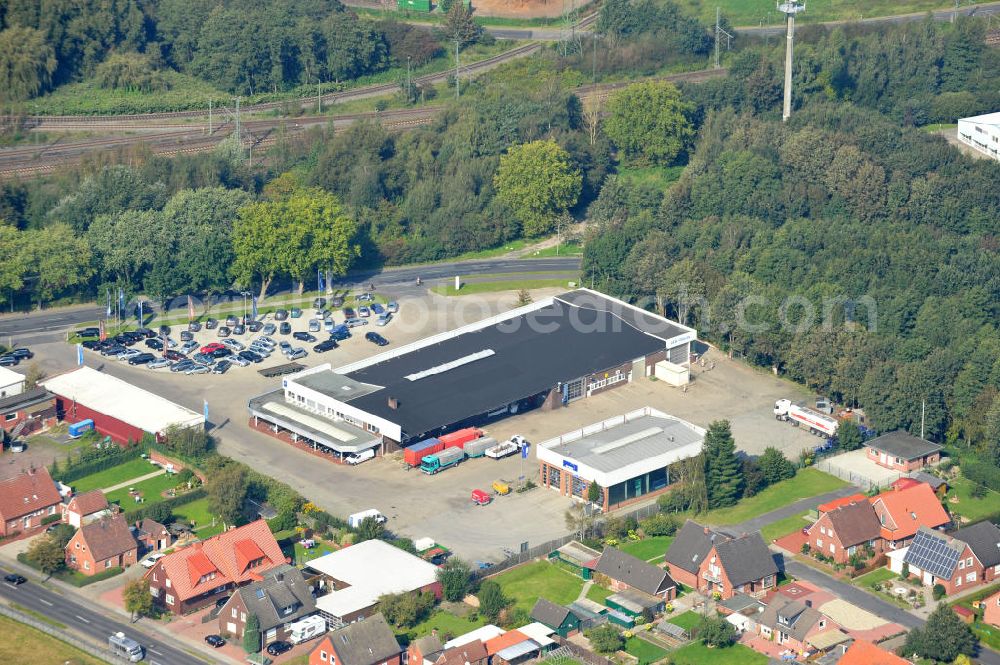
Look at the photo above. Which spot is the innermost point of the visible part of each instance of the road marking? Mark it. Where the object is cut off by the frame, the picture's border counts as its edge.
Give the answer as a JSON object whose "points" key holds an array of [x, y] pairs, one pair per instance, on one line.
{"points": [[81, 618], [10, 585], [42, 600], [152, 650]]}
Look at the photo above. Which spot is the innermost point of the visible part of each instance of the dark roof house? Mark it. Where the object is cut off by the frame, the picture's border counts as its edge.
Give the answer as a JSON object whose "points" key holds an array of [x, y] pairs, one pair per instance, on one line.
{"points": [[282, 596], [634, 572], [361, 643], [788, 616], [983, 539], [903, 445], [557, 617], [746, 559], [108, 537], [691, 545], [924, 477], [470, 653], [855, 523]]}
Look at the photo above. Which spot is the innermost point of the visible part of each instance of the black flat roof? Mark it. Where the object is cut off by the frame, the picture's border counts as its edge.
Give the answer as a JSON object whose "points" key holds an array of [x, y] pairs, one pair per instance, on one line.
{"points": [[517, 358]]}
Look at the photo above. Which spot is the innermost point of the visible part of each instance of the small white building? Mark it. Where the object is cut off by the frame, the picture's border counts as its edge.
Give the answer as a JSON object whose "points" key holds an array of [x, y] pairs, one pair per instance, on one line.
{"points": [[981, 132], [11, 383]]}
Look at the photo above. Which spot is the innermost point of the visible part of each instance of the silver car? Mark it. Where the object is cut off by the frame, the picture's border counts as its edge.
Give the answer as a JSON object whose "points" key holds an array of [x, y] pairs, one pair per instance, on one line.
{"points": [[296, 353], [199, 369], [233, 344], [236, 360], [158, 363], [128, 353]]}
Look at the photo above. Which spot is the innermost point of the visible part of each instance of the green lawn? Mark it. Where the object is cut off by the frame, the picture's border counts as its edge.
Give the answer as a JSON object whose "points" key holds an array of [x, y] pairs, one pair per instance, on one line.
{"points": [[116, 474], [302, 555], [643, 650], [806, 483], [565, 249], [687, 620], [654, 176], [597, 593], [783, 527], [446, 624], [526, 584], [875, 577], [648, 548], [989, 635], [752, 12], [197, 512], [470, 288], [697, 653], [968, 506], [20, 640], [151, 491]]}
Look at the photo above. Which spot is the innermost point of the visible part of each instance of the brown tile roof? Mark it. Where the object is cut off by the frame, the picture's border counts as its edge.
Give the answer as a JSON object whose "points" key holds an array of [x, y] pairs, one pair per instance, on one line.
{"points": [[88, 503], [27, 492], [855, 523], [153, 528], [218, 555], [107, 537], [471, 652]]}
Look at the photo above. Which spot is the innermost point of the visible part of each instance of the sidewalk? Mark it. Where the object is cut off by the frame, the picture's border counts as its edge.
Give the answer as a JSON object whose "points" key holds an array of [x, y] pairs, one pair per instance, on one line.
{"points": [[134, 481]]}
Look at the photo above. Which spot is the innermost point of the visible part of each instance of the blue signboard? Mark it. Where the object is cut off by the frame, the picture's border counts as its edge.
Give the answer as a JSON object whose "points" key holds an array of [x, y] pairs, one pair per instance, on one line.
{"points": [[570, 465]]}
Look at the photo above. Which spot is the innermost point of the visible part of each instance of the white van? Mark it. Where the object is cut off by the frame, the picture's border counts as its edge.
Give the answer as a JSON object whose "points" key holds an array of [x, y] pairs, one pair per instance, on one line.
{"points": [[306, 629], [355, 520], [125, 647], [358, 458]]}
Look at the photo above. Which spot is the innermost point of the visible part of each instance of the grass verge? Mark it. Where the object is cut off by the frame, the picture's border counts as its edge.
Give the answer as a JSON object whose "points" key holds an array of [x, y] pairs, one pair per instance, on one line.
{"points": [[743, 13], [783, 527], [471, 288], [20, 640], [37, 615], [806, 483], [526, 584]]}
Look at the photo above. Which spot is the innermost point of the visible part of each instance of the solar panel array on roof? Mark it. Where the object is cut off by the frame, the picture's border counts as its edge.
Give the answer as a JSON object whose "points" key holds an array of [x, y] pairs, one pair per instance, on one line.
{"points": [[932, 554]]}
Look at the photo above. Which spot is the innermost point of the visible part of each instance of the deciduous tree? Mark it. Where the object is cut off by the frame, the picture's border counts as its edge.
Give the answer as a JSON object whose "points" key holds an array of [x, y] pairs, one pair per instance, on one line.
{"points": [[775, 466], [537, 181], [47, 555], [27, 62], [650, 123], [227, 492], [492, 601], [138, 599], [455, 577]]}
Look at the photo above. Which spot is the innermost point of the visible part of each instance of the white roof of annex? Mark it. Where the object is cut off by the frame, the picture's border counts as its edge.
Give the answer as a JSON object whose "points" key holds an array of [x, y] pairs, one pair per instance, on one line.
{"points": [[620, 448], [985, 119], [121, 400], [483, 633], [9, 377], [372, 568]]}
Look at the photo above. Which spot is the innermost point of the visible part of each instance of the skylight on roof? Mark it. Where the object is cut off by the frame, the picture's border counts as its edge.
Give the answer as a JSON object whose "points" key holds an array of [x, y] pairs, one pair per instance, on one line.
{"points": [[626, 440], [441, 369]]}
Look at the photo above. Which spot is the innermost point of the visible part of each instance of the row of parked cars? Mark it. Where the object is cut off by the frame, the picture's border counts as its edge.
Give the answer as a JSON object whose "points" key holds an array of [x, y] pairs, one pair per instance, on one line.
{"points": [[15, 356]]}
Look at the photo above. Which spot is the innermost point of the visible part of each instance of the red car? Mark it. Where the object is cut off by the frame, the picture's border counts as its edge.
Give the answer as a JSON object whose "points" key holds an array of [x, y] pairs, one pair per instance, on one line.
{"points": [[212, 346], [481, 498]]}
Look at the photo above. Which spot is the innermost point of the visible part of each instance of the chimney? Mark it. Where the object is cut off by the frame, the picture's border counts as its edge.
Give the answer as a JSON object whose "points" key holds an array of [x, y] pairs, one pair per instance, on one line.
{"points": [[393, 403], [808, 602]]}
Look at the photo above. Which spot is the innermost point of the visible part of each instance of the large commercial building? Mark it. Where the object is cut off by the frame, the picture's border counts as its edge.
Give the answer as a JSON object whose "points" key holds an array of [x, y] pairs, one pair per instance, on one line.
{"points": [[981, 132], [119, 410], [543, 355], [628, 456]]}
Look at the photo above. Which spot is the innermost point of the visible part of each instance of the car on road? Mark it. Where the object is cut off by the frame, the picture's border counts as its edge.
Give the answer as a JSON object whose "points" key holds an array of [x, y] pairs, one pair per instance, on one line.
{"points": [[15, 579], [221, 367], [198, 369], [304, 337], [182, 366], [296, 353], [383, 319], [158, 363], [8, 361], [223, 331], [295, 313], [326, 345], [270, 329], [314, 325], [215, 641], [211, 324], [155, 344], [277, 648], [280, 314], [141, 359], [319, 303], [377, 309], [151, 560], [174, 355], [375, 338], [194, 326], [285, 328]]}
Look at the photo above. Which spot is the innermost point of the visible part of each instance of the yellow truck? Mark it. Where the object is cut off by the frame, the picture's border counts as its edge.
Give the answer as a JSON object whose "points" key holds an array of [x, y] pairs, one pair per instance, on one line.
{"points": [[501, 487]]}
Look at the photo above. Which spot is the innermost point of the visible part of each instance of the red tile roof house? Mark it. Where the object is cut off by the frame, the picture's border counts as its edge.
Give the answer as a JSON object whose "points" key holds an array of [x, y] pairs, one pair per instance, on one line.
{"points": [[966, 558], [866, 653], [27, 499], [195, 576], [791, 623], [902, 512], [100, 545], [724, 565], [368, 642], [901, 451], [86, 507], [991, 610], [844, 531]]}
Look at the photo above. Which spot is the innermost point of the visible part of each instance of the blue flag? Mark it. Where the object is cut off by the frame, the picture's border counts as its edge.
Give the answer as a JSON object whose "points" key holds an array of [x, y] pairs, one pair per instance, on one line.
{"points": [[524, 450], [206, 410], [79, 354], [140, 312]]}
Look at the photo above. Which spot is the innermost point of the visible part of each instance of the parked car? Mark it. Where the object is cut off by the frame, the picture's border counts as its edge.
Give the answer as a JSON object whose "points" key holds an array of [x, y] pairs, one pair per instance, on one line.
{"points": [[304, 337], [233, 344], [383, 319], [267, 341], [340, 332], [221, 367], [295, 312], [284, 346], [164, 330], [280, 314], [319, 303], [481, 498], [211, 324], [109, 350], [154, 344], [198, 369], [141, 359], [270, 329], [188, 347], [296, 353], [22, 354], [375, 338], [221, 602], [186, 336], [239, 329], [355, 322], [215, 641], [260, 349], [250, 356], [15, 579], [221, 353], [129, 353], [212, 346], [203, 358], [238, 361], [223, 331], [194, 326], [337, 301], [151, 560], [174, 355], [364, 312], [91, 344], [314, 325], [366, 297], [158, 363], [254, 326], [146, 332], [377, 309], [231, 320], [277, 648], [324, 346], [349, 313], [88, 332], [285, 328], [182, 365]]}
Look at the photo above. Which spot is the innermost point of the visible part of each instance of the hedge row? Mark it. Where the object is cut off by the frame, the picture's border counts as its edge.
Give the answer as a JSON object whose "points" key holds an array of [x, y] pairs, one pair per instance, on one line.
{"points": [[157, 510], [110, 457]]}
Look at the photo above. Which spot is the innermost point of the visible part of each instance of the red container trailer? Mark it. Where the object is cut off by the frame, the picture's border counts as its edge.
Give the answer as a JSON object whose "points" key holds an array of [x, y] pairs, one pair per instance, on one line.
{"points": [[418, 451], [461, 437]]}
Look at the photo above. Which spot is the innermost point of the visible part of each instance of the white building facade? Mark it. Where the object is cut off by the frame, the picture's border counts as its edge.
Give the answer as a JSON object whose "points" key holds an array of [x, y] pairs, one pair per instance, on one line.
{"points": [[981, 132]]}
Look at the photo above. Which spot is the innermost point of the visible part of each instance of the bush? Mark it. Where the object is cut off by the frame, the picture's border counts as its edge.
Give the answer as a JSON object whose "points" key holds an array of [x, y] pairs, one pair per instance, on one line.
{"points": [[49, 519], [715, 631], [282, 522], [92, 460], [982, 473], [605, 639], [938, 591], [674, 501], [663, 524]]}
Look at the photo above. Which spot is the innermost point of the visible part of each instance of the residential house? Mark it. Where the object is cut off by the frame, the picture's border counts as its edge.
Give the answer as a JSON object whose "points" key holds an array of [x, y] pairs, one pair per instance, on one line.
{"points": [[26, 499], [866, 653], [557, 617], [195, 576], [983, 539], [937, 558], [368, 642], [901, 451], [628, 572], [939, 485], [425, 651], [470, 653], [791, 623], [100, 545], [511, 648], [739, 565], [902, 512], [691, 545], [32, 411], [280, 598], [839, 502], [152, 536], [86, 507], [846, 530], [991, 610]]}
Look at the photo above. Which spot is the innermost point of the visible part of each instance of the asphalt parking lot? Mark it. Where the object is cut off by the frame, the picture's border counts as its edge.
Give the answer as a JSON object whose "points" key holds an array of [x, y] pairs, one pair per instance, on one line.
{"points": [[439, 506]]}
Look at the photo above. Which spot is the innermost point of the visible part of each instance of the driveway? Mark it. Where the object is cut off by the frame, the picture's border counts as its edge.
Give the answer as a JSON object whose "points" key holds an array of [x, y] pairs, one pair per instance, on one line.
{"points": [[856, 468]]}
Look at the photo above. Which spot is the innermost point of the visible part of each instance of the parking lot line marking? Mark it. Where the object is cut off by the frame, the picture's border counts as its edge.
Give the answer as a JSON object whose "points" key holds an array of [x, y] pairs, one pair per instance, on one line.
{"points": [[82, 619], [42, 600]]}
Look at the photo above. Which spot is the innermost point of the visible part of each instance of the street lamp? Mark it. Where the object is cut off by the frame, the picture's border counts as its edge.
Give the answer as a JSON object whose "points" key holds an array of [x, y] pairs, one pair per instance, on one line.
{"points": [[245, 294]]}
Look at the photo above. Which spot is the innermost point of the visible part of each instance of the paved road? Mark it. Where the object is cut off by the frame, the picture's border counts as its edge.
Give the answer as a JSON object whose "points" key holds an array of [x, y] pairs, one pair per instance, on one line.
{"points": [[796, 508], [87, 622], [22, 327]]}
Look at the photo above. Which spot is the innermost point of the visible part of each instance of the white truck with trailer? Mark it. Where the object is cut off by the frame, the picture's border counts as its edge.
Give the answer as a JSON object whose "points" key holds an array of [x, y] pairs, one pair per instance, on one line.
{"points": [[507, 448], [306, 629], [355, 520], [122, 646], [819, 424]]}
